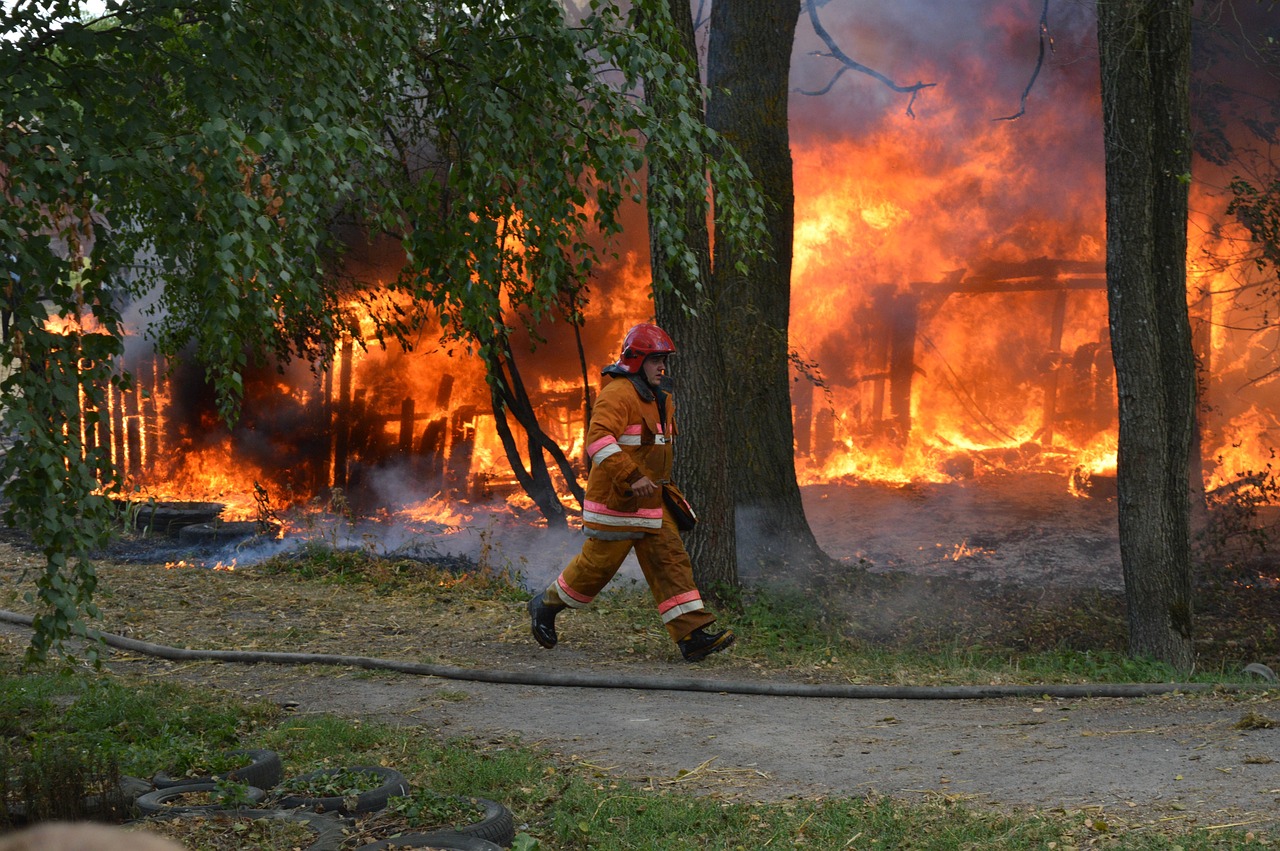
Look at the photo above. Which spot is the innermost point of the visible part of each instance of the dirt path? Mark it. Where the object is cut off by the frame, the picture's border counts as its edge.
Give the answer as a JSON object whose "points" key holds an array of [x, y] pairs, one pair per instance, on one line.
{"points": [[1170, 757]]}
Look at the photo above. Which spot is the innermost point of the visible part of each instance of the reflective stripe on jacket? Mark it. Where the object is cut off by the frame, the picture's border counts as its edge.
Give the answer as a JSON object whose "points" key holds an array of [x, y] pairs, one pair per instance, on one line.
{"points": [[627, 439]]}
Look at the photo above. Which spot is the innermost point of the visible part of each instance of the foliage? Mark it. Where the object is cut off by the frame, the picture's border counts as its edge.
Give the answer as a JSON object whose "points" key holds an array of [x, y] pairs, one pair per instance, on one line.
{"points": [[202, 765], [1236, 532], [202, 162], [230, 831], [521, 179], [1258, 208], [335, 783], [426, 808], [172, 154]]}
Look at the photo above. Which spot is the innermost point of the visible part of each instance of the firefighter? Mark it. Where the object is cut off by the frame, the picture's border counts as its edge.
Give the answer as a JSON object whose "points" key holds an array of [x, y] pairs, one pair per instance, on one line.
{"points": [[629, 443]]}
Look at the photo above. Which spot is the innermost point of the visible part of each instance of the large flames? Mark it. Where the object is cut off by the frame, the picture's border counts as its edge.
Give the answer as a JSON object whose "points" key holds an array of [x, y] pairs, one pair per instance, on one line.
{"points": [[948, 310]]}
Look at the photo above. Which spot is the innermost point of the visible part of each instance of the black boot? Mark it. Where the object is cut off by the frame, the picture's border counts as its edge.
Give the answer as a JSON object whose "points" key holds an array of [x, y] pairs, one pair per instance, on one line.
{"points": [[543, 618], [700, 644]]}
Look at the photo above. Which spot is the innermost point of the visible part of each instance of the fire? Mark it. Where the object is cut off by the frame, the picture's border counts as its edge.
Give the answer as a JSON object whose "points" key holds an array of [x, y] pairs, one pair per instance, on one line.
{"points": [[1251, 452], [884, 215], [437, 511], [948, 312], [1100, 457], [962, 550], [926, 361], [948, 289], [69, 325], [228, 567]]}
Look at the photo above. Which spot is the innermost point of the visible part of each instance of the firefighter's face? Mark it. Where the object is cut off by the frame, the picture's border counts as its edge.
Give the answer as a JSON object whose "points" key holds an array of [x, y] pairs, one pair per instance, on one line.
{"points": [[655, 369]]}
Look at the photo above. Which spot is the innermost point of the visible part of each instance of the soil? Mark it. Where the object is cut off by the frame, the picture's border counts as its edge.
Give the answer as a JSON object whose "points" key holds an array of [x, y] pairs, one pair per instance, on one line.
{"points": [[1015, 566]]}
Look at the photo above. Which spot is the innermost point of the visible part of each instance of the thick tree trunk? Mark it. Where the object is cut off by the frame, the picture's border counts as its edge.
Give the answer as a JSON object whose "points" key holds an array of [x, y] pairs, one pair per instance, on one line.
{"points": [[1145, 52], [748, 68], [702, 457]]}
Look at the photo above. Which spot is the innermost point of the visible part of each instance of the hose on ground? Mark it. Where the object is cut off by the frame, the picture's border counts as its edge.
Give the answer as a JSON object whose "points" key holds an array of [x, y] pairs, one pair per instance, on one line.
{"points": [[562, 679]]}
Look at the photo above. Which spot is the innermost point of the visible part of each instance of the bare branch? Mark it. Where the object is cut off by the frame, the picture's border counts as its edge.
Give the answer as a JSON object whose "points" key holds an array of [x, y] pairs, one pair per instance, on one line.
{"points": [[701, 16], [1045, 38], [850, 65]]}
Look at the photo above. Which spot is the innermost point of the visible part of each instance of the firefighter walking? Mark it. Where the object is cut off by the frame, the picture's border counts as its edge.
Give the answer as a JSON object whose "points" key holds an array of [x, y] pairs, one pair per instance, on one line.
{"points": [[629, 442]]}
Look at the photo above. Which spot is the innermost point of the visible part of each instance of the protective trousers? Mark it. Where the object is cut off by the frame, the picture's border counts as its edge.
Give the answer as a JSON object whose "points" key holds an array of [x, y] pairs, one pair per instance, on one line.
{"points": [[666, 568]]}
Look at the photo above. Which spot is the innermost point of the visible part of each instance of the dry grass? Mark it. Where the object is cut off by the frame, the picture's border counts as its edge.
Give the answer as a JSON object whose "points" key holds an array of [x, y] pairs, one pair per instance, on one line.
{"points": [[249, 608]]}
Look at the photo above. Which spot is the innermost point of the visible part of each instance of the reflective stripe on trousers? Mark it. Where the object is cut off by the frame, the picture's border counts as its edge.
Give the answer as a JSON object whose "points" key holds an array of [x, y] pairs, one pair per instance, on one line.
{"points": [[666, 568]]}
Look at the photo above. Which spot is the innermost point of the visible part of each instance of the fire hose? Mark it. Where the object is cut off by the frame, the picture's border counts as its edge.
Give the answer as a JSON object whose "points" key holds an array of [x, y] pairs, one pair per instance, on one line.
{"points": [[563, 679]]}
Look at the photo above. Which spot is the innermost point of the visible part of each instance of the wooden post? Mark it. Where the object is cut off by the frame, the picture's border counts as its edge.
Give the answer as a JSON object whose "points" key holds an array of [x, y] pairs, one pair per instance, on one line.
{"points": [[341, 431], [325, 474], [802, 405], [406, 426], [1049, 420], [905, 320], [148, 386], [134, 438], [131, 461], [462, 444], [88, 429], [444, 391], [824, 435], [882, 345], [117, 425]]}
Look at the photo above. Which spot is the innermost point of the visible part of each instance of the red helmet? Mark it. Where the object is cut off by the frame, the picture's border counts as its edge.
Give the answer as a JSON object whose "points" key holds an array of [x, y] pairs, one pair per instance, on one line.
{"points": [[642, 341]]}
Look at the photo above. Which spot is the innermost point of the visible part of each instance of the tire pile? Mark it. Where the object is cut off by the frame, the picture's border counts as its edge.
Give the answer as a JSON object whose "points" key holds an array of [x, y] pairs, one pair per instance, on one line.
{"points": [[328, 817]]}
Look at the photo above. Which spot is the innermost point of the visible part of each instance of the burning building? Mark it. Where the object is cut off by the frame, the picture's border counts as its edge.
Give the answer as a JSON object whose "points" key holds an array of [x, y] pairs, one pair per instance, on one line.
{"points": [[949, 313]]}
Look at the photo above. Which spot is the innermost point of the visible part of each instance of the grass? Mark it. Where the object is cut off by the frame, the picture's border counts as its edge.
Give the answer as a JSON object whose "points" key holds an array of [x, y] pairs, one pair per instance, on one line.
{"points": [[558, 806], [789, 632], [144, 730], [316, 561]]}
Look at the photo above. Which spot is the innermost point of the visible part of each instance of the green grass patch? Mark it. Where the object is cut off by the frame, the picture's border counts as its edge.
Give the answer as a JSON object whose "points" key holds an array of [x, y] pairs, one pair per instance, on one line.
{"points": [[143, 727], [324, 741]]}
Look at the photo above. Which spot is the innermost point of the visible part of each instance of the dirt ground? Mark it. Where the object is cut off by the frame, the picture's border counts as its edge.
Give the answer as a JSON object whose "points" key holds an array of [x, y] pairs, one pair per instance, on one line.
{"points": [[1202, 759]]}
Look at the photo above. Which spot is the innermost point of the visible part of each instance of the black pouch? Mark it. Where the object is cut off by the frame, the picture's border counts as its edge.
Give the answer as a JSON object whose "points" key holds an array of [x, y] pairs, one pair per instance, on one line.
{"points": [[681, 511]]}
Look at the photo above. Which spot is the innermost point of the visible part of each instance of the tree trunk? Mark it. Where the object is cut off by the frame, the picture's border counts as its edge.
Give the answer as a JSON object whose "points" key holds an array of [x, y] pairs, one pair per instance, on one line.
{"points": [[1145, 54], [748, 68], [702, 457], [508, 395]]}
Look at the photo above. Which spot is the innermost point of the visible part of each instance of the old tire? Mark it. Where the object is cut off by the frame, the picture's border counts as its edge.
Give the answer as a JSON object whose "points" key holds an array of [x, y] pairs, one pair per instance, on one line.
{"points": [[391, 782], [498, 825], [263, 770], [162, 800], [442, 840]]}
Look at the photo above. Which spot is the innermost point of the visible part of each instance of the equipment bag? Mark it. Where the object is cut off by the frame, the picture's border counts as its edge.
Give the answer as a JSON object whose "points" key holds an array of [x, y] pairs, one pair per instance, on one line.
{"points": [[681, 511]]}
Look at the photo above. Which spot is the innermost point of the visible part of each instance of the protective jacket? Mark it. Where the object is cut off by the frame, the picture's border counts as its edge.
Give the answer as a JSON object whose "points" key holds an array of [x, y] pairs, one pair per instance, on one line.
{"points": [[630, 436]]}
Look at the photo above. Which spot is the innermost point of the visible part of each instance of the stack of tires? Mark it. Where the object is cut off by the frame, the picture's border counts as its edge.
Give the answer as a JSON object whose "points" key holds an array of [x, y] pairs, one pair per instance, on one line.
{"points": [[329, 817]]}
